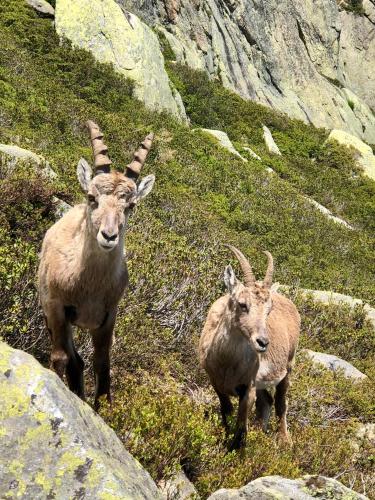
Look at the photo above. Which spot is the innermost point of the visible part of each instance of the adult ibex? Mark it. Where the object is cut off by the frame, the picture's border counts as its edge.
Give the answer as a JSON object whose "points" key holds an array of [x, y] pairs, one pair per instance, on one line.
{"points": [[82, 271], [247, 345]]}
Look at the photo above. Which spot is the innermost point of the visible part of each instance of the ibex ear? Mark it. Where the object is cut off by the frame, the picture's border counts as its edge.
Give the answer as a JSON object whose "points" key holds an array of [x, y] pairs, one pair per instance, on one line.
{"points": [[145, 187], [230, 279], [84, 174]]}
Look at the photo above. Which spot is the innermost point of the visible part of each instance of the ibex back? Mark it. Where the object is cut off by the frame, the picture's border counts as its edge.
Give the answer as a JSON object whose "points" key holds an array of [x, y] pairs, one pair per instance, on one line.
{"points": [[82, 272]]}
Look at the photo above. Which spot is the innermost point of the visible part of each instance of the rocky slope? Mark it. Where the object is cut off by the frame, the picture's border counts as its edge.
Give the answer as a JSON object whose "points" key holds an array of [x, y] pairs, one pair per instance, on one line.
{"points": [[205, 195], [308, 59]]}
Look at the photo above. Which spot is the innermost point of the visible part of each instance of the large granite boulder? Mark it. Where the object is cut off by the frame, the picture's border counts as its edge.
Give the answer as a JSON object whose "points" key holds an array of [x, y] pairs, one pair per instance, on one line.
{"points": [[115, 36], [55, 446], [364, 154], [281, 488]]}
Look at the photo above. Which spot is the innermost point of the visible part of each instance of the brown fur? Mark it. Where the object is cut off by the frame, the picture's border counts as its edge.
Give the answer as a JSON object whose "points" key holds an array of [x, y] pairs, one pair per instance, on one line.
{"points": [[229, 351], [82, 273]]}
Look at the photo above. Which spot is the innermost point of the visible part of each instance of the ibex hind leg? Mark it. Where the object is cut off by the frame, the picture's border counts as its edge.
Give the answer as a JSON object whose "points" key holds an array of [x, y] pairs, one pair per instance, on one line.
{"points": [[263, 405], [74, 374], [281, 408]]}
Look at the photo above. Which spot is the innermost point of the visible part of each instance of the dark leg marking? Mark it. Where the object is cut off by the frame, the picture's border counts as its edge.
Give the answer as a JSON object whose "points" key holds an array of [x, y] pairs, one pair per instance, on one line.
{"points": [[263, 407]]}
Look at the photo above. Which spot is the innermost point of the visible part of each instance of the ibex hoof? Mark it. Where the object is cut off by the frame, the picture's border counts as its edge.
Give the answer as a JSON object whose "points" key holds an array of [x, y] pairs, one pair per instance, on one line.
{"points": [[283, 438], [59, 360], [238, 441]]}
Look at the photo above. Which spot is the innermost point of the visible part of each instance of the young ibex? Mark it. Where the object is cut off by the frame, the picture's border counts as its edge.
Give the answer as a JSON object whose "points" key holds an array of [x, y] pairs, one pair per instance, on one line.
{"points": [[82, 272], [247, 345]]}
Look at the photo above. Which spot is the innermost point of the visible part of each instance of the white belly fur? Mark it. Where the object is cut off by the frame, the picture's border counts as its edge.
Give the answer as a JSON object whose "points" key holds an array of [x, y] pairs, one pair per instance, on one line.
{"points": [[268, 376]]}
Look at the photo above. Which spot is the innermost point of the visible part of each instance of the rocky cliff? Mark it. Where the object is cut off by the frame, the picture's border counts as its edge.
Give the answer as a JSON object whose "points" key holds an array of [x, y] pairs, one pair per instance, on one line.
{"points": [[309, 59], [120, 38]]}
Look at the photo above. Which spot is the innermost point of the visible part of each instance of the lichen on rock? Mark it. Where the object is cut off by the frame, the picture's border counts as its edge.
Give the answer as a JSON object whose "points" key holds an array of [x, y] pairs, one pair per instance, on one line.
{"points": [[53, 445], [116, 36]]}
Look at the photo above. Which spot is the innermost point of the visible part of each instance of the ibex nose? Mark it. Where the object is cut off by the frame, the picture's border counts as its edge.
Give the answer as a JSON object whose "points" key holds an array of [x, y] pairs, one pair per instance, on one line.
{"points": [[109, 237], [262, 343]]}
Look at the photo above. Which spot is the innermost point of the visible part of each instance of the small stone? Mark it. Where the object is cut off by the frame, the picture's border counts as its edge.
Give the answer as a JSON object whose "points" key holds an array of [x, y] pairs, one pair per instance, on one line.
{"points": [[179, 488], [224, 141], [329, 214], [61, 207], [11, 155], [252, 153], [42, 7], [328, 297], [281, 488], [270, 143]]}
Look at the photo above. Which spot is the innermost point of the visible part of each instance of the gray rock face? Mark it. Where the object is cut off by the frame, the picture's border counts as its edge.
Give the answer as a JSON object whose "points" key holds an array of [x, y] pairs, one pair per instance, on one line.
{"points": [[53, 445], [281, 488], [307, 59], [118, 37], [335, 364], [42, 7]]}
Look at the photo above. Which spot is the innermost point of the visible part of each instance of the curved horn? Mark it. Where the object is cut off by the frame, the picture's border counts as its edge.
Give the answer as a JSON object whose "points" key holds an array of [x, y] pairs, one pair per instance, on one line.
{"points": [[249, 278], [267, 282], [101, 159], [134, 168]]}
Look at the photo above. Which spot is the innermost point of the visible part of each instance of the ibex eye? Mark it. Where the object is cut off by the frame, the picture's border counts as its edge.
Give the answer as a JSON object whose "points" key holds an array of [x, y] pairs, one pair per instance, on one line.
{"points": [[243, 307], [91, 198]]}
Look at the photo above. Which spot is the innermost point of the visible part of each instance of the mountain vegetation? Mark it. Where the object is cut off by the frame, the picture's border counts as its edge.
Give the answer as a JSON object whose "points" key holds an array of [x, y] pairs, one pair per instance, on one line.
{"points": [[204, 197]]}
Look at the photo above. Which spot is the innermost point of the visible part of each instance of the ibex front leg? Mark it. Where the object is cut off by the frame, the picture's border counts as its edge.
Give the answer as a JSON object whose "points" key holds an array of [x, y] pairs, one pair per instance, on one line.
{"points": [[246, 396], [102, 339], [64, 357]]}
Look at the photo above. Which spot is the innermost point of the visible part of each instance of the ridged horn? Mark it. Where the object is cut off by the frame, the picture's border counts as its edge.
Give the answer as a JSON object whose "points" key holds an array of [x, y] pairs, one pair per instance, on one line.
{"points": [[267, 282], [100, 150], [134, 168], [249, 278]]}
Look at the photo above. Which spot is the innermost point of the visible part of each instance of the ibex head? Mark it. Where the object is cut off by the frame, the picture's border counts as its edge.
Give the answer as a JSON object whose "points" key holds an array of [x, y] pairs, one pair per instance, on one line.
{"points": [[250, 302], [111, 195]]}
